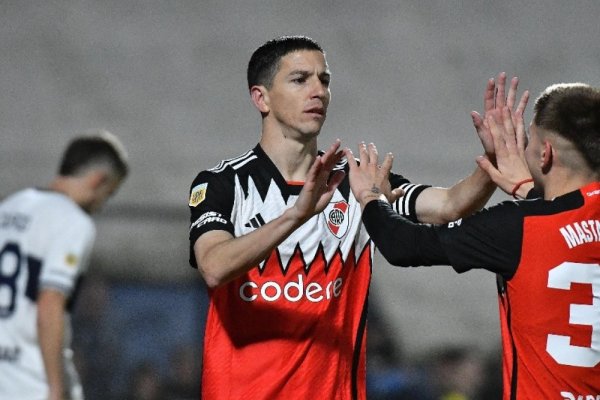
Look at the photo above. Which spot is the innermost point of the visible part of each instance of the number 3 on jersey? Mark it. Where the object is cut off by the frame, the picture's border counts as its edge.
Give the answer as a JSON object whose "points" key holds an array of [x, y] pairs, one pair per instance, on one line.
{"points": [[10, 268], [558, 346]]}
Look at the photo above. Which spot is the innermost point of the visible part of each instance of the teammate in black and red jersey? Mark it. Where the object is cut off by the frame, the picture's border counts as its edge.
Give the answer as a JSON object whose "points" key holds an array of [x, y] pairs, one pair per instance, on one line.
{"points": [[282, 248], [545, 251]]}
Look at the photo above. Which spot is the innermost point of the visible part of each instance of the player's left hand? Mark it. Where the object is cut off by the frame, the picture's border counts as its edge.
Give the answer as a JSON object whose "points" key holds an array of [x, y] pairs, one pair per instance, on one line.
{"points": [[368, 179]]}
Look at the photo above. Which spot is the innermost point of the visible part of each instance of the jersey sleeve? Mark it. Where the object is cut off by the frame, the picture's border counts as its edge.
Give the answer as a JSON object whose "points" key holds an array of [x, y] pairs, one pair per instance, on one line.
{"points": [[406, 205], [68, 257], [211, 203], [489, 239]]}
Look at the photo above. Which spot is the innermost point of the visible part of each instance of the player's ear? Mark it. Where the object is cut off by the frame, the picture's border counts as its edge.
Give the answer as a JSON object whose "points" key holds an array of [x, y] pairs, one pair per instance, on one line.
{"points": [[97, 178], [547, 156], [260, 98]]}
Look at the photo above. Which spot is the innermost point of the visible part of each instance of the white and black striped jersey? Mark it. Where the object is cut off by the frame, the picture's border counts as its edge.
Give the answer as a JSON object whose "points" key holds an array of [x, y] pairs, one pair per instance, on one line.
{"points": [[297, 321]]}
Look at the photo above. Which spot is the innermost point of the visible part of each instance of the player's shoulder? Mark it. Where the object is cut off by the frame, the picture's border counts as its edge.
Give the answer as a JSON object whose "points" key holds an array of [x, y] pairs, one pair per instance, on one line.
{"points": [[509, 212], [15, 197], [48, 210], [221, 178], [228, 167], [236, 163], [33, 198], [58, 206], [510, 208]]}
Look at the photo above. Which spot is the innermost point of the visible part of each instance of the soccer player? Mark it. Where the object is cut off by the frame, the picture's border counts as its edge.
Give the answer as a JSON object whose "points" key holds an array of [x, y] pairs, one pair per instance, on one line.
{"points": [[280, 244], [545, 251], [46, 235]]}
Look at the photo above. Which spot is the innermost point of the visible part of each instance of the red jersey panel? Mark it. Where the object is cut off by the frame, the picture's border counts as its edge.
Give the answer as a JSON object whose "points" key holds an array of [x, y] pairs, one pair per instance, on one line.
{"points": [[300, 336], [551, 308]]}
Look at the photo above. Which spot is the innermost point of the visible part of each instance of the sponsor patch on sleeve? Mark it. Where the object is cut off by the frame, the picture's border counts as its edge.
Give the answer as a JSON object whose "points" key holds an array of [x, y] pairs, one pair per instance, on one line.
{"points": [[208, 217], [198, 194]]}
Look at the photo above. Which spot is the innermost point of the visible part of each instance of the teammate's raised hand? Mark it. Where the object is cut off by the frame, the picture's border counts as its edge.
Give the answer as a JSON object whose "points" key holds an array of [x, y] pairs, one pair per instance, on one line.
{"points": [[510, 172], [494, 99], [368, 179]]}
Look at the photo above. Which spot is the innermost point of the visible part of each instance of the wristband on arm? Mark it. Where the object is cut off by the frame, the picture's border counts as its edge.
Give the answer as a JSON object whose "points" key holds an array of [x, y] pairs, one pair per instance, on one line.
{"points": [[513, 193]]}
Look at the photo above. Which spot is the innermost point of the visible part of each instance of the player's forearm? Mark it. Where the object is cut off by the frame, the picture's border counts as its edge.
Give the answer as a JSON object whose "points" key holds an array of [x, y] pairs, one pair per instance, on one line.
{"points": [[402, 242], [50, 323], [468, 196], [224, 261]]}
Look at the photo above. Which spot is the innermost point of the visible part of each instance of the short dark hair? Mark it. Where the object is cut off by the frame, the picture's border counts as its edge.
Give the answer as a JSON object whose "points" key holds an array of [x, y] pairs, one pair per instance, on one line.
{"points": [[92, 149], [264, 62], [572, 110]]}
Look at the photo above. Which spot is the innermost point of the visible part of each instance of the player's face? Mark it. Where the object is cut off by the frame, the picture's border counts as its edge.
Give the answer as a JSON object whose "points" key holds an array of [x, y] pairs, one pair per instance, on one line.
{"points": [[102, 193], [299, 95]]}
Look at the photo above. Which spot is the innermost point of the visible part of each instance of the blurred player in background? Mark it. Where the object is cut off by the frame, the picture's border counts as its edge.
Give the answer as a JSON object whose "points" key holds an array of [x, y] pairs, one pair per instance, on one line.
{"points": [[545, 251], [279, 242], [46, 236]]}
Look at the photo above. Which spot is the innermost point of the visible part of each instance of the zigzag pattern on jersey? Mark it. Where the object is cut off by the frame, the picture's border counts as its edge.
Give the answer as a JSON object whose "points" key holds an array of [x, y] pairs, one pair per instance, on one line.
{"points": [[308, 240], [318, 263]]}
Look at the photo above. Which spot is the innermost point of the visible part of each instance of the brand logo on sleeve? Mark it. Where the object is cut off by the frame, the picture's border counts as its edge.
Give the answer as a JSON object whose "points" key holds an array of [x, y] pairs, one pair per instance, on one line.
{"points": [[198, 194]]}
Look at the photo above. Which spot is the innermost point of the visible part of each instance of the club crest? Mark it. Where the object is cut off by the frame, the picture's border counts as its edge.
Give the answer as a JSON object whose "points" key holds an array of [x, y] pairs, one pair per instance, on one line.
{"points": [[336, 215]]}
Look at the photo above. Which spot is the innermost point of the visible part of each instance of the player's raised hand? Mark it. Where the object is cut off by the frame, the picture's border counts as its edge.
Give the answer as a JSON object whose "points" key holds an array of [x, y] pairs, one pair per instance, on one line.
{"points": [[368, 179], [320, 185], [494, 99], [511, 170]]}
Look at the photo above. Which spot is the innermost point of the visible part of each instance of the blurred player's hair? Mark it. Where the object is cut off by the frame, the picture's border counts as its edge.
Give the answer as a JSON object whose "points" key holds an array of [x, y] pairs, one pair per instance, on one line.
{"points": [[94, 149]]}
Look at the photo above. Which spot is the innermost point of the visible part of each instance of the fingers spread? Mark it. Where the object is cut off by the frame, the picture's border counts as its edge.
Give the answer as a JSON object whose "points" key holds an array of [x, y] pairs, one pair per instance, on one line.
{"points": [[500, 90], [373, 154], [350, 158], [477, 120], [363, 153], [386, 166], [335, 180], [509, 130], [497, 135], [332, 155], [512, 92], [488, 96], [522, 104]]}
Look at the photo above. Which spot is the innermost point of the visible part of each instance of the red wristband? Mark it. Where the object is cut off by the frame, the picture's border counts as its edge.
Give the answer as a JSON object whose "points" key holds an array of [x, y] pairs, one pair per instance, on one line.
{"points": [[518, 185]]}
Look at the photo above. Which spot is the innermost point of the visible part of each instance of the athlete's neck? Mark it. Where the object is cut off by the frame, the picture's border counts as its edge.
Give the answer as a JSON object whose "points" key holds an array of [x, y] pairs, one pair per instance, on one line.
{"points": [[566, 182], [292, 158]]}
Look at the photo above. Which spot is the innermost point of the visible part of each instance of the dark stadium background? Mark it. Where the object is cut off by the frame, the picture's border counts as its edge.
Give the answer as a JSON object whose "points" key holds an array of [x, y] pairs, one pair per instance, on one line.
{"points": [[169, 79]]}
